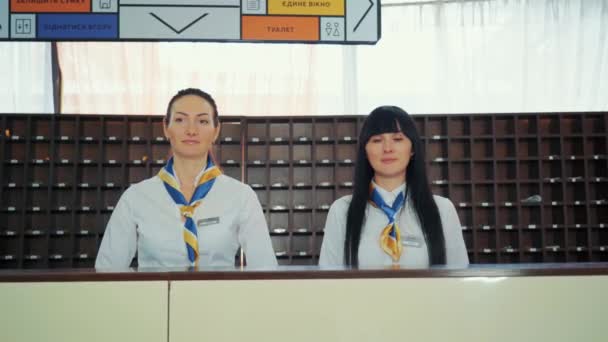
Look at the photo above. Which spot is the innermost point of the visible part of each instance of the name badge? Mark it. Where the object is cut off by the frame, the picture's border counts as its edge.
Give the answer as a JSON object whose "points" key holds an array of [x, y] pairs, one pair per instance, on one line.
{"points": [[208, 221], [411, 241]]}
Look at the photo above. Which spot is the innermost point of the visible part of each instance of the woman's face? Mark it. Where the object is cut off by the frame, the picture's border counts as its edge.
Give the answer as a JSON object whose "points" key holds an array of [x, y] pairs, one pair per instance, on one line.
{"points": [[389, 154], [190, 130]]}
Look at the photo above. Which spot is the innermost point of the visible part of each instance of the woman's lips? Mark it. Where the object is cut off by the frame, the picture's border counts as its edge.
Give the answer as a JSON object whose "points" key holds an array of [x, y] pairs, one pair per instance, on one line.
{"points": [[388, 160], [190, 142]]}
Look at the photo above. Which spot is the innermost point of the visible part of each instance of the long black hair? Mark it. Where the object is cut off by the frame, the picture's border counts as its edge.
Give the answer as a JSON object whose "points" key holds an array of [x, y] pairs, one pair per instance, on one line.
{"points": [[389, 119]]}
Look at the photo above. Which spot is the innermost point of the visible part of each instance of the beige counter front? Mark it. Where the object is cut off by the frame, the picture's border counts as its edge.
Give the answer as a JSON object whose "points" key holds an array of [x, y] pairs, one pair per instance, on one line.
{"points": [[505, 303], [84, 311], [419, 309]]}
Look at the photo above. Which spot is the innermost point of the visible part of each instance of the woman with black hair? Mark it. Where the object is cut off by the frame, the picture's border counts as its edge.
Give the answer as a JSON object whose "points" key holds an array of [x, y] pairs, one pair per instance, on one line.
{"points": [[190, 213], [392, 218]]}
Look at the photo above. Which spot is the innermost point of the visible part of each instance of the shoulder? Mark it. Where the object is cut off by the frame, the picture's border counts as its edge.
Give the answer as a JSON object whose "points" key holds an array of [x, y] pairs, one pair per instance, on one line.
{"points": [[447, 212], [337, 215], [140, 191], [341, 204], [233, 187], [443, 203], [231, 183]]}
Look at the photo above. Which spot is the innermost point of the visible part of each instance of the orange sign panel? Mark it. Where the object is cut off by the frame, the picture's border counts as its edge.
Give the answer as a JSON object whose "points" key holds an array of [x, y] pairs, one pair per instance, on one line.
{"points": [[42, 6], [280, 28]]}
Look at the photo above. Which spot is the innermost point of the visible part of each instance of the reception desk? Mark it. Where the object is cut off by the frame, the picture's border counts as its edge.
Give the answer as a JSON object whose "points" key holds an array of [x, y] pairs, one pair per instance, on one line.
{"points": [[549, 302]]}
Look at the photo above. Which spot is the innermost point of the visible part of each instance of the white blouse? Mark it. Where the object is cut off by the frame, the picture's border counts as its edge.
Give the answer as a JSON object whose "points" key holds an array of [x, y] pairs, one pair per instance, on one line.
{"points": [[147, 221], [415, 254]]}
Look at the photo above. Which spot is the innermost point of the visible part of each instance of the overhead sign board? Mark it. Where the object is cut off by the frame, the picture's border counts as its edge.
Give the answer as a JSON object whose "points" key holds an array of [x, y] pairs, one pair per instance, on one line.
{"points": [[324, 21]]}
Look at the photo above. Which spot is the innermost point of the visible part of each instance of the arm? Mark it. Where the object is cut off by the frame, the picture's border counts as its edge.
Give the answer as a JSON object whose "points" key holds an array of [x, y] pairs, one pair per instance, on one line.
{"points": [[119, 242], [455, 248], [253, 232], [332, 249]]}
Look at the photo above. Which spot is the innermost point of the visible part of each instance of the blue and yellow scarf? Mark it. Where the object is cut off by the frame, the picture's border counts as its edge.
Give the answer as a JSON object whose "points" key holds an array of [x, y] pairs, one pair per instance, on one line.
{"points": [[390, 238], [167, 175]]}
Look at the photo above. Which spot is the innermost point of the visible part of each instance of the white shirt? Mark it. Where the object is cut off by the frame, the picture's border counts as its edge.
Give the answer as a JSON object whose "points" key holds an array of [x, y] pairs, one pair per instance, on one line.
{"points": [[146, 220], [415, 253]]}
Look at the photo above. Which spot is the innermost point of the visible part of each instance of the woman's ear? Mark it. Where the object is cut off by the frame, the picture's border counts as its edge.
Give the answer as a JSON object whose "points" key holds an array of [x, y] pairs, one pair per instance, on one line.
{"points": [[165, 125], [217, 132]]}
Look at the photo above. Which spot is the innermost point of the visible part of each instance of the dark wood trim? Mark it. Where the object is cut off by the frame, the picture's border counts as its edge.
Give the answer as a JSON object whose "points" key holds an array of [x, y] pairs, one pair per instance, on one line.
{"points": [[304, 272], [56, 78]]}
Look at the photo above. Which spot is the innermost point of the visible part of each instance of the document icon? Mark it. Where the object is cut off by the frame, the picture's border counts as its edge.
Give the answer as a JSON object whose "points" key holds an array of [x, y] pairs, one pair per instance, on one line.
{"points": [[253, 5]]}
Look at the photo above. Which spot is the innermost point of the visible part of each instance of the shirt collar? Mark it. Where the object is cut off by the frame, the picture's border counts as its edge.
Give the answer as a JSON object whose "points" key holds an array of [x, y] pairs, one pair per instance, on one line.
{"points": [[200, 174], [196, 179], [389, 197]]}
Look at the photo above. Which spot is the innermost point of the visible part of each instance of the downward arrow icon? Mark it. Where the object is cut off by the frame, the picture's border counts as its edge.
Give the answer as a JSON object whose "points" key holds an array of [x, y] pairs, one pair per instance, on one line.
{"points": [[174, 29]]}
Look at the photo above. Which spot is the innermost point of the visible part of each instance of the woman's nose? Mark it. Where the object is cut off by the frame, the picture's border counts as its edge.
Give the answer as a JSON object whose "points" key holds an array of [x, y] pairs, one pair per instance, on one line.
{"points": [[387, 145], [191, 128]]}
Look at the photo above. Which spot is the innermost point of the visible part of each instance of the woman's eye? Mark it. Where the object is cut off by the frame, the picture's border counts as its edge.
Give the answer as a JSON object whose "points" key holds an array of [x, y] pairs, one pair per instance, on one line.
{"points": [[178, 120], [376, 140], [204, 122]]}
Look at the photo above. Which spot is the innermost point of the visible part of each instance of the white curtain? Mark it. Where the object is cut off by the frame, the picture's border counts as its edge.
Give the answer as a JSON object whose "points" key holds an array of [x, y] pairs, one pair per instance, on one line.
{"points": [[245, 79], [25, 78], [488, 56]]}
